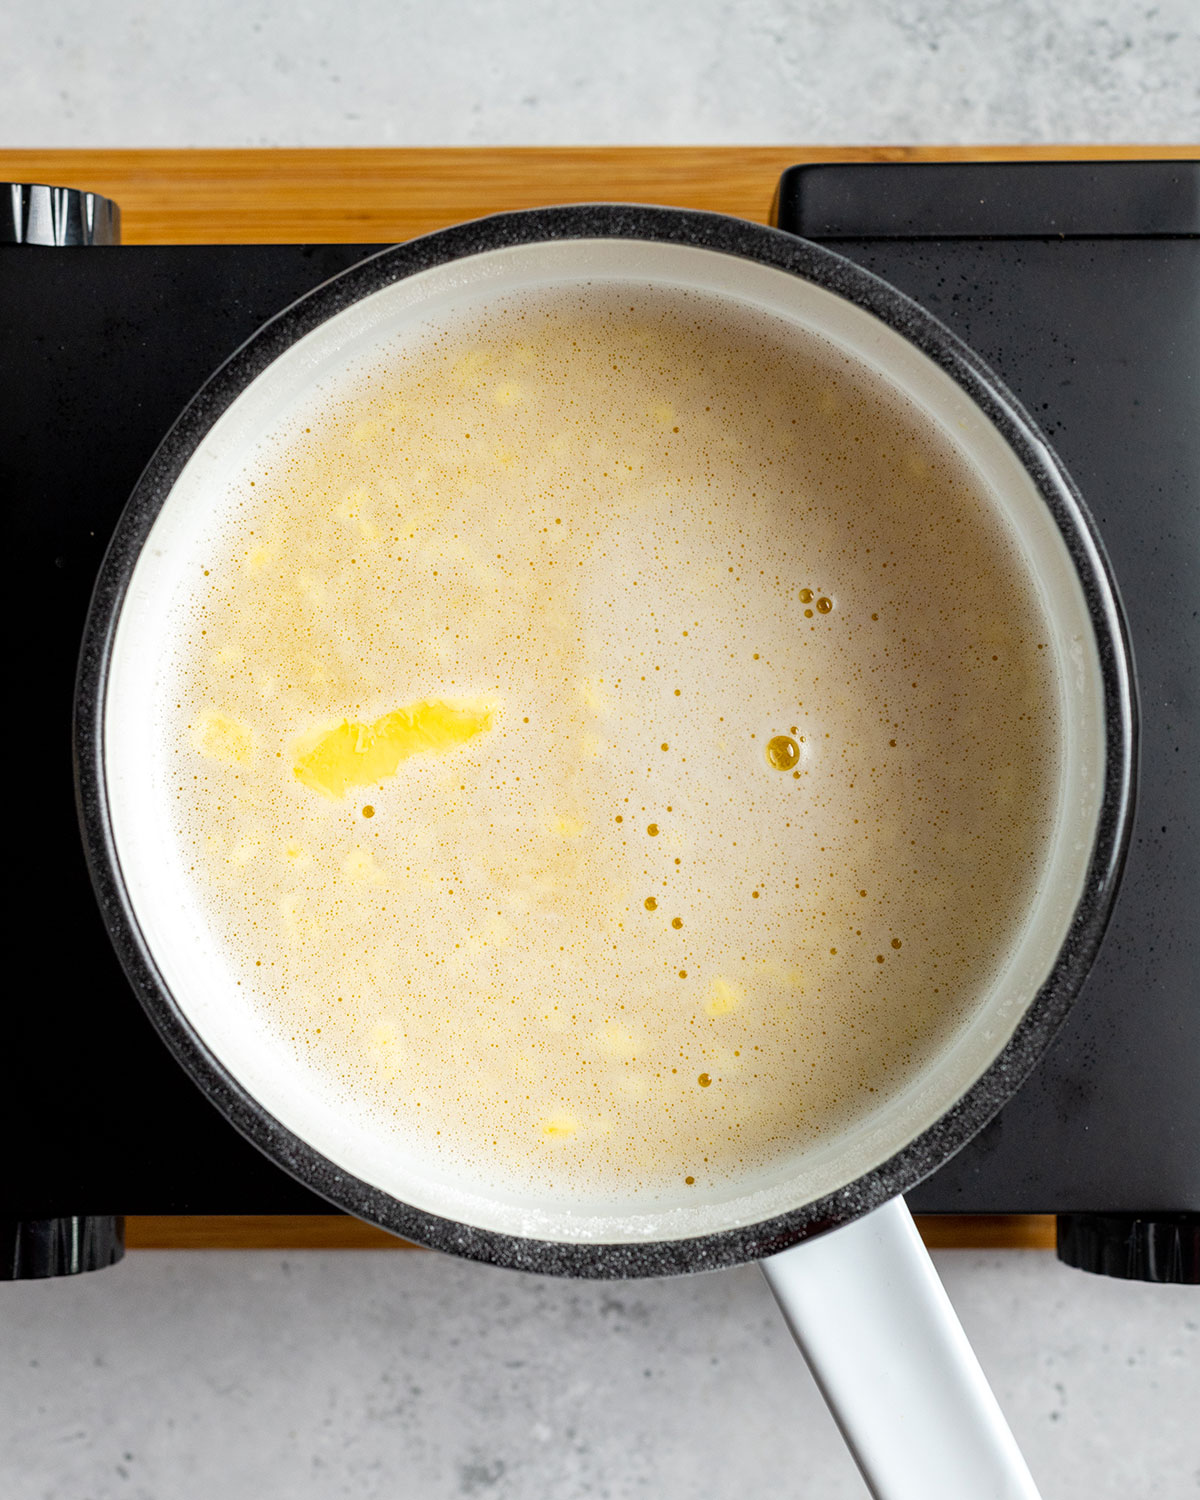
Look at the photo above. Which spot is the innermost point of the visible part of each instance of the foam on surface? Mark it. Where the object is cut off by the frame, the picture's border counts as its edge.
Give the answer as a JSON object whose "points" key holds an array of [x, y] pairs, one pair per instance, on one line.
{"points": [[768, 766]]}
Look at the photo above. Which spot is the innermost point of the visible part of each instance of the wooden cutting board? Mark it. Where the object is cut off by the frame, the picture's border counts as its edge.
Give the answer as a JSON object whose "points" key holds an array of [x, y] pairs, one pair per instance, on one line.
{"points": [[339, 1232], [381, 196]]}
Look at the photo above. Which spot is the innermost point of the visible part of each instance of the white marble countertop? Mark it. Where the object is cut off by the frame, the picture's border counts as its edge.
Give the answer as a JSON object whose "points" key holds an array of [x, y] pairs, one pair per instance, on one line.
{"points": [[528, 72], [186, 1375]]}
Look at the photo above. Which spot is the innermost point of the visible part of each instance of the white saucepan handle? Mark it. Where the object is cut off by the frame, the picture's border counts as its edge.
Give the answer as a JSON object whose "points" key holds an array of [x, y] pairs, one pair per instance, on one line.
{"points": [[876, 1327]]}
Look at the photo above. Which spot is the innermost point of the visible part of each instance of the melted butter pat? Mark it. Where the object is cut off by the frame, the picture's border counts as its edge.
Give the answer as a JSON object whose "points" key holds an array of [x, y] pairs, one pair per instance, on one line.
{"points": [[724, 997], [357, 754], [225, 739]]}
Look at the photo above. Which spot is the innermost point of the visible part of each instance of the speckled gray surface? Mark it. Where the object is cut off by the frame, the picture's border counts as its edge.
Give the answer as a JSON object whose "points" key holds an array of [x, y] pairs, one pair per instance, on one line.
{"points": [[372, 1375], [405, 72]]}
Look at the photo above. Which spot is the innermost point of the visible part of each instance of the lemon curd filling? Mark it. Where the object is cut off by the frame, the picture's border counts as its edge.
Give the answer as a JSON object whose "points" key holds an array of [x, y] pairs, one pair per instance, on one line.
{"points": [[590, 716]]}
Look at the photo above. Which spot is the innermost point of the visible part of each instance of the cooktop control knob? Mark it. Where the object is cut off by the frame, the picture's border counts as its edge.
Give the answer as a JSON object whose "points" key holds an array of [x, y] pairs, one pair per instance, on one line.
{"points": [[31, 213], [1133, 1247], [31, 1249]]}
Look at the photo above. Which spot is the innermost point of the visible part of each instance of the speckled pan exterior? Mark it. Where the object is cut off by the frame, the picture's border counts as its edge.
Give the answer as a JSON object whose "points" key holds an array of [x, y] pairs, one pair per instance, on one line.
{"points": [[1044, 1016]]}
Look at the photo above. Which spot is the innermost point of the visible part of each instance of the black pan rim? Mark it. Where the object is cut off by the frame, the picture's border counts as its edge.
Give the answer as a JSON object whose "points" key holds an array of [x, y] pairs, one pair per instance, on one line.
{"points": [[1046, 1012]]}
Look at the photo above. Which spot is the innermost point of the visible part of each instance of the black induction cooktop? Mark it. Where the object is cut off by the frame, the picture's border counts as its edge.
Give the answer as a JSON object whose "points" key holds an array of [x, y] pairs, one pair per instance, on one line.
{"points": [[1079, 284]]}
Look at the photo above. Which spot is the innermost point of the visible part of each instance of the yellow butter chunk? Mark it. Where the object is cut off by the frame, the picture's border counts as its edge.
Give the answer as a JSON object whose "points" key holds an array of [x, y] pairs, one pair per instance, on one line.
{"points": [[356, 754], [224, 739], [723, 997]]}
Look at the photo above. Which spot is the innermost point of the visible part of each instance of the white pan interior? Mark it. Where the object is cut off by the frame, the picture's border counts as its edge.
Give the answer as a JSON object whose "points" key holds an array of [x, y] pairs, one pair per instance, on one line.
{"points": [[189, 958]]}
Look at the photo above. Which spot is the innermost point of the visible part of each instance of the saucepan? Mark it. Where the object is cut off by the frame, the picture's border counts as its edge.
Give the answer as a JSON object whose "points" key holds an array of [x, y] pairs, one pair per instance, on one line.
{"points": [[837, 1245]]}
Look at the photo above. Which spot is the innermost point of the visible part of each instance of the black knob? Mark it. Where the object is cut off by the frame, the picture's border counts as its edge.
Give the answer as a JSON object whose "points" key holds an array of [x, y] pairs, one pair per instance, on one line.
{"points": [[33, 1248], [1134, 1247], [31, 213]]}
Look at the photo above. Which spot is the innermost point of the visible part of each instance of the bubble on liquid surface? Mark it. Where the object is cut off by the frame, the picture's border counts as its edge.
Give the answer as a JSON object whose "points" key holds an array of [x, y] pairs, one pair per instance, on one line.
{"points": [[782, 752]]}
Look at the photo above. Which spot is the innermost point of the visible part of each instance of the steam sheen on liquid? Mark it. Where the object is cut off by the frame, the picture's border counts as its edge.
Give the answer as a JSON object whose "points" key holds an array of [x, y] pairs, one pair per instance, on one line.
{"points": [[616, 743]]}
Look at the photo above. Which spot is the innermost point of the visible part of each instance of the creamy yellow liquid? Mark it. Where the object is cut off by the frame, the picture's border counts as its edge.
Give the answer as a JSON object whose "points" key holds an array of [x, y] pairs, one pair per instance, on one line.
{"points": [[616, 742]]}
